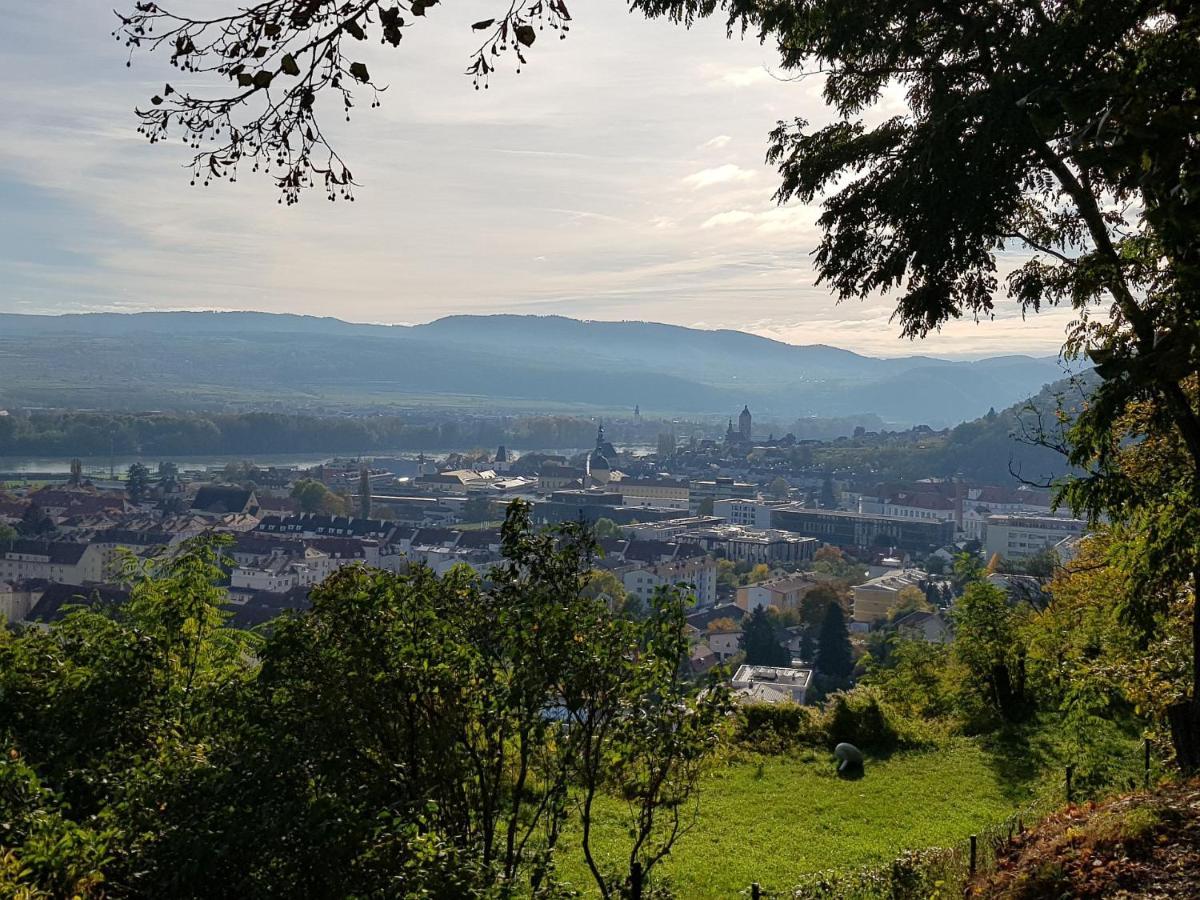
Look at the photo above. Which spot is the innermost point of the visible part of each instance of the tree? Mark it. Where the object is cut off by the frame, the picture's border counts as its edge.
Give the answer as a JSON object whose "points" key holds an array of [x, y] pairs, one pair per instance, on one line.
{"points": [[814, 603], [7, 533], [364, 493], [477, 509], [828, 499], [988, 643], [168, 477], [137, 482], [1083, 157], [909, 599], [760, 642], [607, 529], [759, 573], [264, 67], [835, 656], [313, 496], [779, 488], [36, 522], [76, 478]]}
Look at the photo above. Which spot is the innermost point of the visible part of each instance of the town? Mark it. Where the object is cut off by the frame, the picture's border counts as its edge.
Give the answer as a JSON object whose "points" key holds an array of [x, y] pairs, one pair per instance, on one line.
{"points": [[739, 522]]}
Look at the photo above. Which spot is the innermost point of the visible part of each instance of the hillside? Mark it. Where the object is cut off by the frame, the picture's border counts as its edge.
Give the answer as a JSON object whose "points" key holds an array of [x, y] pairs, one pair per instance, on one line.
{"points": [[203, 360], [1143, 845]]}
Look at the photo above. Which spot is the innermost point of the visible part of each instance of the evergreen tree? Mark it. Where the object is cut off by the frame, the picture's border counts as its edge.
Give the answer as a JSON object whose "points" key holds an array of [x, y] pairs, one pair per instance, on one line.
{"points": [[364, 494], [137, 482], [835, 658], [760, 643], [76, 473]]}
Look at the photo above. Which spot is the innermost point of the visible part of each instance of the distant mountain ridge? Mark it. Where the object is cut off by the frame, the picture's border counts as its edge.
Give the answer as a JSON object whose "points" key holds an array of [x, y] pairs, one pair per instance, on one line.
{"points": [[175, 358]]}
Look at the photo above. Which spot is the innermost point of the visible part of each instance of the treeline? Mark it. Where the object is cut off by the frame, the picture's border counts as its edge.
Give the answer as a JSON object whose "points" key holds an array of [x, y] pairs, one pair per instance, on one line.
{"points": [[170, 434]]}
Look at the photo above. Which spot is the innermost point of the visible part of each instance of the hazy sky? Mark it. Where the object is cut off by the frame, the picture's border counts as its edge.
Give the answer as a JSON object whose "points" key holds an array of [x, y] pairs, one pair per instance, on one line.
{"points": [[619, 176]]}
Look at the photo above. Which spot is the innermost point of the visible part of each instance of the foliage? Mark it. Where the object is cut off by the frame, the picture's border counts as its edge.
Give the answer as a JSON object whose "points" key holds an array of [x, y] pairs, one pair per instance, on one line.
{"points": [[835, 656], [760, 640], [137, 482], [993, 653], [313, 496], [421, 736]]}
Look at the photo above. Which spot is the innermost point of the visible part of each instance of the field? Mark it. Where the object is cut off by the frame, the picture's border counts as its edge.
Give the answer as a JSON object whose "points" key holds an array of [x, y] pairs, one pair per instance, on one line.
{"points": [[793, 816]]}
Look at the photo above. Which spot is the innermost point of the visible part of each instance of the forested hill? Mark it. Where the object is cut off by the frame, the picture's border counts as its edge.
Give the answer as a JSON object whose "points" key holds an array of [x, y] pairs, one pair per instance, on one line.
{"points": [[995, 448], [211, 360]]}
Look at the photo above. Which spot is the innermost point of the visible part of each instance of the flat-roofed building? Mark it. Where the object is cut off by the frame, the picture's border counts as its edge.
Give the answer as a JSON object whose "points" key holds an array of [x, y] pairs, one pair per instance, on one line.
{"points": [[876, 598], [770, 684], [862, 530], [1018, 537], [659, 493]]}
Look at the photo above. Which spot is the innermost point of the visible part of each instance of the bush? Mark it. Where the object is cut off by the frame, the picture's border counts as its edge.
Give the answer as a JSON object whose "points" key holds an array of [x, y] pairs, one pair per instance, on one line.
{"points": [[915, 875], [856, 717], [774, 727]]}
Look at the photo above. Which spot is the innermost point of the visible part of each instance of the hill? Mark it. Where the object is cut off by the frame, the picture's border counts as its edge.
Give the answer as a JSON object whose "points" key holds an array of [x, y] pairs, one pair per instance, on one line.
{"points": [[206, 360]]}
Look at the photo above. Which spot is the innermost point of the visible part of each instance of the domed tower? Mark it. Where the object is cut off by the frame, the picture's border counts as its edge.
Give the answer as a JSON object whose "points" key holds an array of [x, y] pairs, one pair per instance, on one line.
{"points": [[745, 421]]}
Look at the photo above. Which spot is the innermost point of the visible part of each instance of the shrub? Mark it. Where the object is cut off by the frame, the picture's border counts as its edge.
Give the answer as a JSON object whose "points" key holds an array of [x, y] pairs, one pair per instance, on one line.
{"points": [[773, 727], [856, 717]]}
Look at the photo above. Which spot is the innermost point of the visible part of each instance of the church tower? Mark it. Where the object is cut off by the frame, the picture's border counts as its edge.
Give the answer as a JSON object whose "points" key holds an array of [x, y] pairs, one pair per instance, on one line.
{"points": [[745, 420]]}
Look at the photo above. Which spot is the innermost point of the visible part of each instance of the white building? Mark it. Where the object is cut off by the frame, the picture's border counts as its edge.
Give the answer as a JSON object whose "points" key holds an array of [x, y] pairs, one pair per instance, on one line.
{"points": [[770, 684], [1018, 537], [750, 513], [57, 561]]}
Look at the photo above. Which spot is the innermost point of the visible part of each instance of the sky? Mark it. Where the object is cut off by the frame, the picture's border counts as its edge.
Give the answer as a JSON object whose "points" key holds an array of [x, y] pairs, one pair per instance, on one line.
{"points": [[619, 176]]}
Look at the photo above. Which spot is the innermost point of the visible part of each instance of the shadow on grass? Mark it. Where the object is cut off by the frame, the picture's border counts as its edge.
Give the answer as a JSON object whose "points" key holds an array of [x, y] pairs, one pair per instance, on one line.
{"points": [[1021, 756]]}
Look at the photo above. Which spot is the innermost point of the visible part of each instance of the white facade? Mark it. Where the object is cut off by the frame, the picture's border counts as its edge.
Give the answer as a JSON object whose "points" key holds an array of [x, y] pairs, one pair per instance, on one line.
{"points": [[749, 513], [1018, 537]]}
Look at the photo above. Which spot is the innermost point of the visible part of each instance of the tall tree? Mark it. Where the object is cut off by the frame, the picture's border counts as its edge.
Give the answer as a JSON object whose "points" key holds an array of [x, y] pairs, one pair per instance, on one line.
{"points": [[76, 478], [137, 482], [364, 493], [760, 641], [835, 656]]}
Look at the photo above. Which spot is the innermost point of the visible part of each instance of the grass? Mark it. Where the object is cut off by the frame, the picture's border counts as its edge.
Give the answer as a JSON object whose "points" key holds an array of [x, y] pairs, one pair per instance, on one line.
{"points": [[775, 819]]}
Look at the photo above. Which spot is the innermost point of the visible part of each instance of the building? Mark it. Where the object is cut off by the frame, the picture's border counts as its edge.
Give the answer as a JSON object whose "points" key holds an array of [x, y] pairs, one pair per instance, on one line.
{"points": [[722, 488], [922, 625], [671, 529], [219, 500], [1019, 537], [660, 493], [746, 545], [54, 561], [781, 593], [875, 599], [698, 573], [751, 513], [746, 425], [862, 530], [770, 684]]}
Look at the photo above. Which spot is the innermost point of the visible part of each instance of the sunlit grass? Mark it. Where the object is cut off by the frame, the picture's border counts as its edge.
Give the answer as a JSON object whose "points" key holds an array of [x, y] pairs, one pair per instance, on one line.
{"points": [[793, 816]]}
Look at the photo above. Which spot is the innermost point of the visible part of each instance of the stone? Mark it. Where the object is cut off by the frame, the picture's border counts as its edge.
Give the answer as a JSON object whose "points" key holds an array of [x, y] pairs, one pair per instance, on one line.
{"points": [[850, 759]]}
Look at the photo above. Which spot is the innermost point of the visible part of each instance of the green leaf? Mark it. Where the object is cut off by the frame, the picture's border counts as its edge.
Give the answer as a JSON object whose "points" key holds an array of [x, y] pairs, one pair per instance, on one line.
{"points": [[355, 30], [526, 35], [485, 23], [289, 66], [359, 71], [262, 80]]}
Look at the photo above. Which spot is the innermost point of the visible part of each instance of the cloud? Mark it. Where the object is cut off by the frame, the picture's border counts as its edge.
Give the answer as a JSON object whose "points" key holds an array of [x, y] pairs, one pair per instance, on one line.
{"points": [[729, 217], [720, 175], [744, 76], [721, 140]]}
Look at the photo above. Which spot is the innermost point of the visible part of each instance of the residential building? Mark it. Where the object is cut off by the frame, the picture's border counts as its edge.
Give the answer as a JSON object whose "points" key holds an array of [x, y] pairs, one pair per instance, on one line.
{"points": [[723, 488], [922, 625], [55, 561], [781, 593], [875, 599]]}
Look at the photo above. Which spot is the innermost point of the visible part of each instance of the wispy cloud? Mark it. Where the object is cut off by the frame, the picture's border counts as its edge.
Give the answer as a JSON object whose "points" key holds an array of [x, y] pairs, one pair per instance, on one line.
{"points": [[719, 175]]}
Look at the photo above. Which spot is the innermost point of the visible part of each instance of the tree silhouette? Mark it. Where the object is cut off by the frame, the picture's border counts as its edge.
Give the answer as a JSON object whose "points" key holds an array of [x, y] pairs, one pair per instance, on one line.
{"points": [[835, 657]]}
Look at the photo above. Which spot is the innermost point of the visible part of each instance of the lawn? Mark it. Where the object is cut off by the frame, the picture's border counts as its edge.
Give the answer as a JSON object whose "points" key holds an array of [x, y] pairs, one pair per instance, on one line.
{"points": [[794, 816]]}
